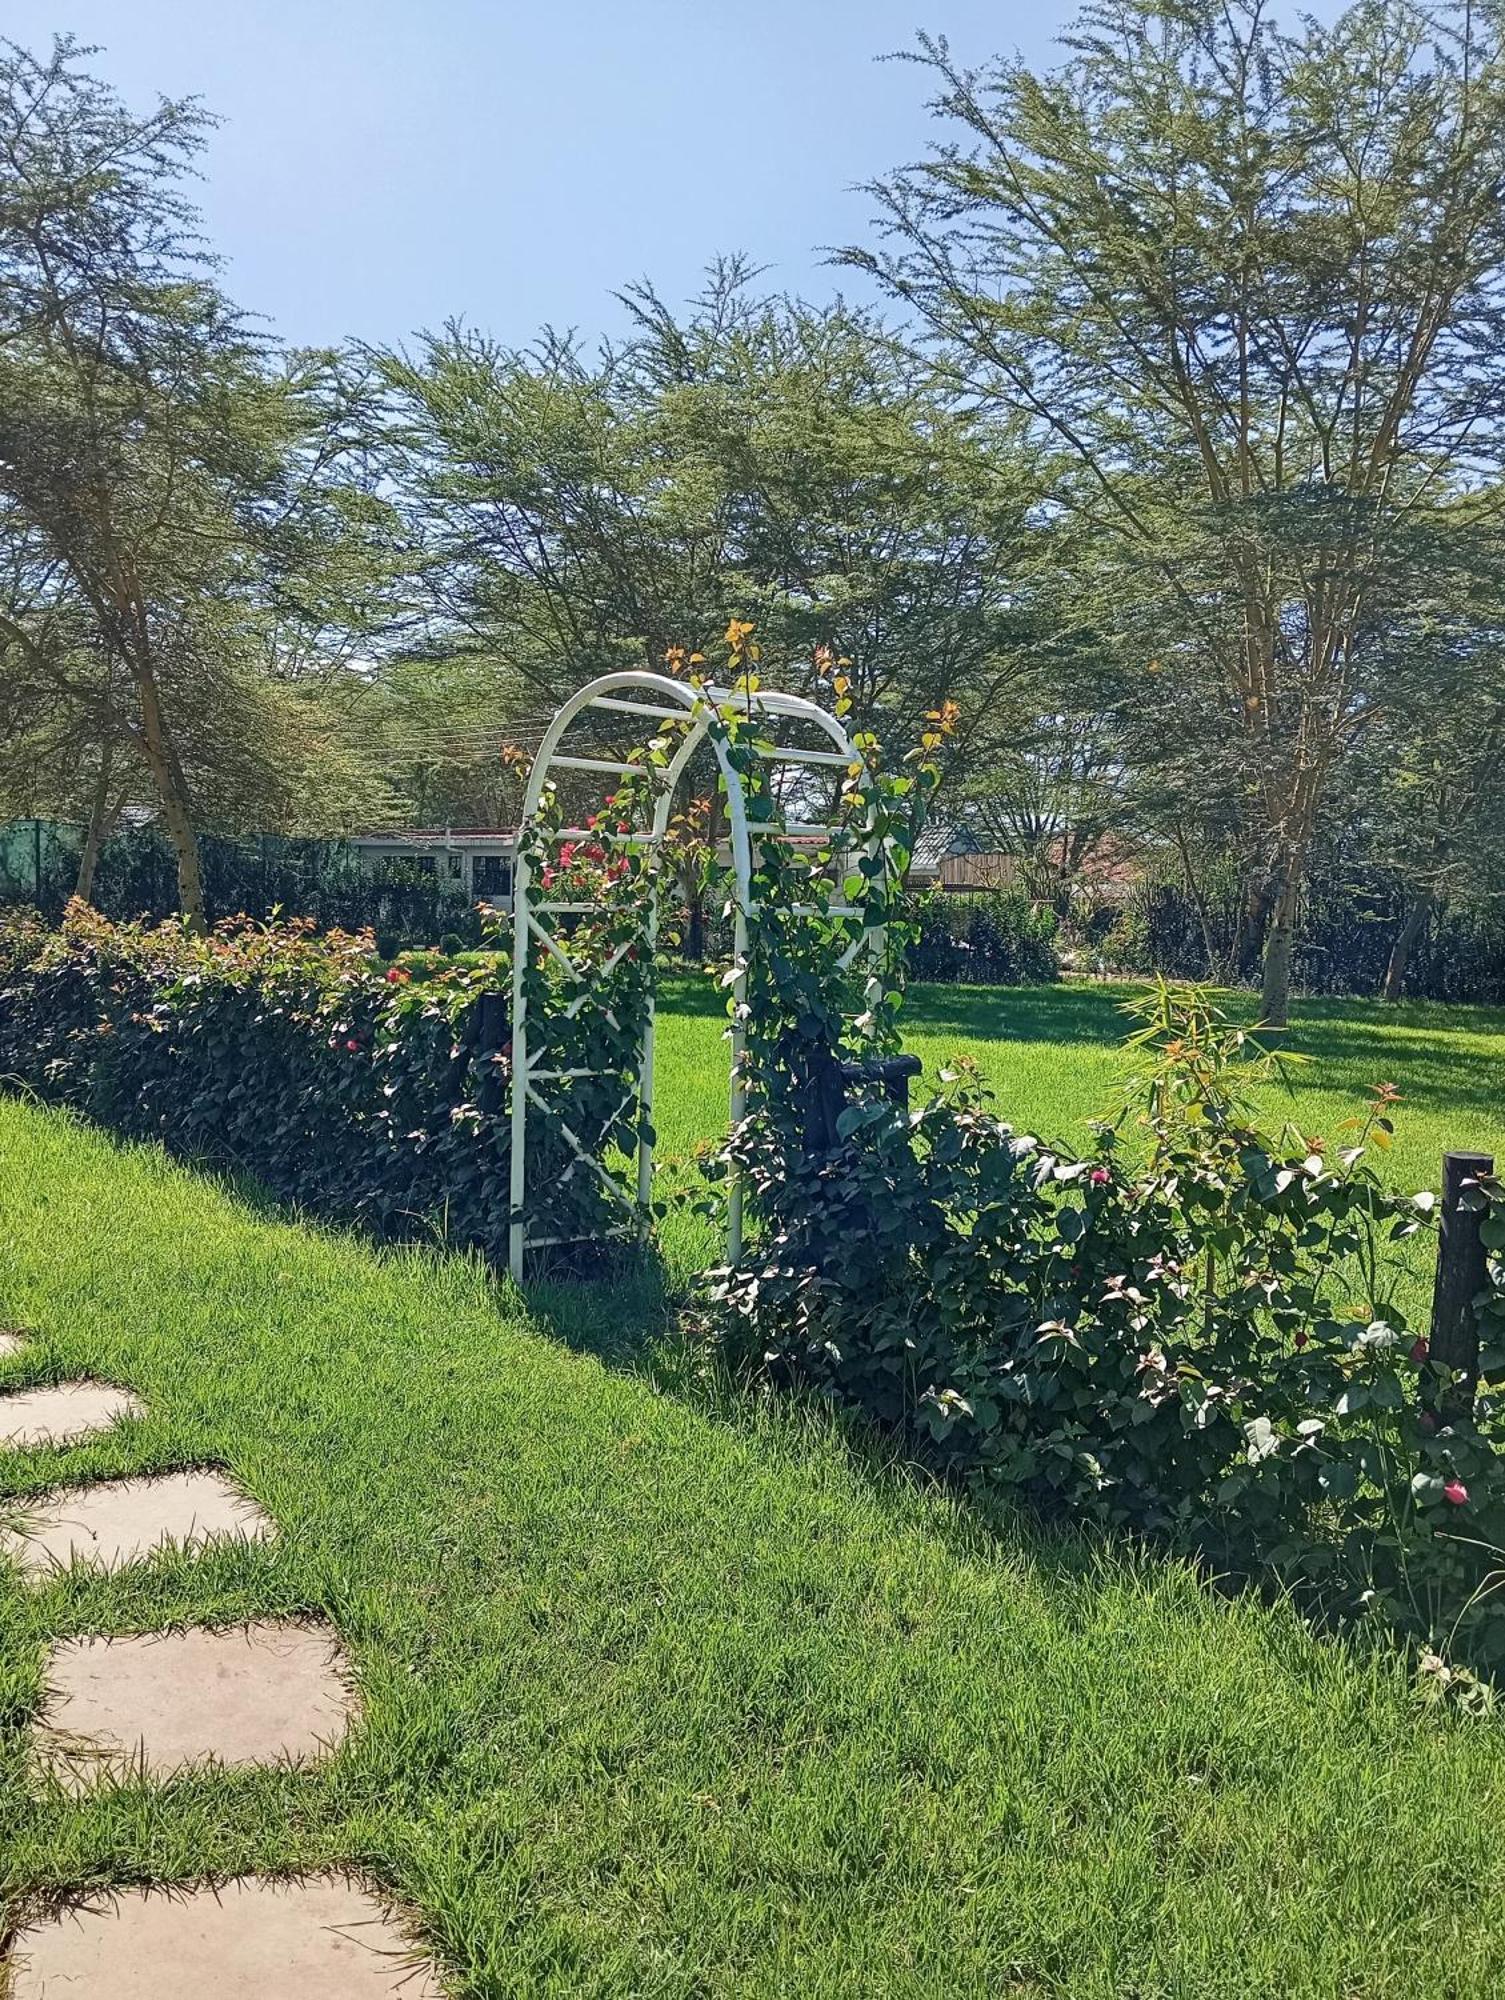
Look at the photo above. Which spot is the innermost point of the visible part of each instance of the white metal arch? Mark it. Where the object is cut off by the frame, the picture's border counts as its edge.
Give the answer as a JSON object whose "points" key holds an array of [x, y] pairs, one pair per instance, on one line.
{"points": [[673, 701]]}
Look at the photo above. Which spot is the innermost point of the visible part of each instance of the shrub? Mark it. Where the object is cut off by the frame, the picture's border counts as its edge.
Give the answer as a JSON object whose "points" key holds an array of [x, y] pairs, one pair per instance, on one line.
{"points": [[405, 902], [997, 937], [1349, 923], [375, 1095], [1196, 1335]]}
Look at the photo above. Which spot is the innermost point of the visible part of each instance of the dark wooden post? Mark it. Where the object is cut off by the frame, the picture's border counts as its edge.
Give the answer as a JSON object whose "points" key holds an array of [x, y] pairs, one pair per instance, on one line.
{"points": [[491, 1025], [1462, 1273], [491, 1022], [892, 1072], [831, 1087]]}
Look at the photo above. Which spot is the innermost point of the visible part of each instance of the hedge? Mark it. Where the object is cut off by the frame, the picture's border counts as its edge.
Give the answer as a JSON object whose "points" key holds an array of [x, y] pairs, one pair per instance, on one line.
{"points": [[996, 937], [405, 904], [1347, 930], [363, 1092]]}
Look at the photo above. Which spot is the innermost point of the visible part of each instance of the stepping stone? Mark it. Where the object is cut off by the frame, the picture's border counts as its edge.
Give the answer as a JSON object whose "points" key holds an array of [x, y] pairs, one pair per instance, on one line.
{"points": [[121, 1520], [60, 1415], [250, 1694], [11, 1343], [315, 1939]]}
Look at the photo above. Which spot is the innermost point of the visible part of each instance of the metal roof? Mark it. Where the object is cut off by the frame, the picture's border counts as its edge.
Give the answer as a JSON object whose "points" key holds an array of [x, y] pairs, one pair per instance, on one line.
{"points": [[444, 837], [941, 838]]}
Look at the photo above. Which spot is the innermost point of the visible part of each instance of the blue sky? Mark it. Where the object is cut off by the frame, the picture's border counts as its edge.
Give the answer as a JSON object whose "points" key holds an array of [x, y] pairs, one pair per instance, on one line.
{"points": [[385, 164]]}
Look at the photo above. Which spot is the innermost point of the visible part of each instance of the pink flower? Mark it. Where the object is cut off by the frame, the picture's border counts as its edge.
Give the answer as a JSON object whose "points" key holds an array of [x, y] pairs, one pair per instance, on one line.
{"points": [[1100, 1177], [396, 976], [1455, 1493], [352, 1046], [1420, 1349]]}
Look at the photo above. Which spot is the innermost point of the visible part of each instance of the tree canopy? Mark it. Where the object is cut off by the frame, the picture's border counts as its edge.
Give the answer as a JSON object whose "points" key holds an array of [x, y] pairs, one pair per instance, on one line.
{"points": [[1174, 461]]}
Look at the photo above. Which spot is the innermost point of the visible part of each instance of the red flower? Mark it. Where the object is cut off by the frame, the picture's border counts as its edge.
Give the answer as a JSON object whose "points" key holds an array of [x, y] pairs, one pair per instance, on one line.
{"points": [[1099, 1177], [1301, 1338], [1455, 1493], [567, 854], [352, 1046], [396, 976], [1428, 1420], [1420, 1349]]}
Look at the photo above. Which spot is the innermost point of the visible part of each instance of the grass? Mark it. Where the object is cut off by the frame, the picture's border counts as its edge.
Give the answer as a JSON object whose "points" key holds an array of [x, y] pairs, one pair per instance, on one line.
{"points": [[677, 1696], [1051, 1055], [667, 1699]]}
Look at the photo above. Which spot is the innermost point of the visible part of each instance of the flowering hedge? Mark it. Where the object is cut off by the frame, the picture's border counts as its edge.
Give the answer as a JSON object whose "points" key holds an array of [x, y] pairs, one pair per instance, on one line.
{"points": [[1197, 1329], [369, 1093]]}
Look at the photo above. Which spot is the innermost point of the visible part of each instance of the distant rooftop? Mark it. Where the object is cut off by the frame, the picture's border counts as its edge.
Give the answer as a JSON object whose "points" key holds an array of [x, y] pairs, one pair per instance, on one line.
{"points": [[436, 836]]}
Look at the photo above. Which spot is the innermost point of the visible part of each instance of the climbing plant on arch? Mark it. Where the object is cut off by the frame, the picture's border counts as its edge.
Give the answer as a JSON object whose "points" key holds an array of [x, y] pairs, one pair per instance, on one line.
{"points": [[818, 839]]}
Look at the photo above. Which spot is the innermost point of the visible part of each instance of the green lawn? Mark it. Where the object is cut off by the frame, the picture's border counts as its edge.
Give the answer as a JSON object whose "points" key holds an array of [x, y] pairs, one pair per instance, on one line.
{"points": [[669, 1695], [1052, 1056], [661, 1699]]}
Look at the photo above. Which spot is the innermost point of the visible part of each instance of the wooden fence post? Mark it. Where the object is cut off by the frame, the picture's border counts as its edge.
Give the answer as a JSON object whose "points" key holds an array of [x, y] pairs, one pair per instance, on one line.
{"points": [[1462, 1273], [491, 1026], [831, 1085]]}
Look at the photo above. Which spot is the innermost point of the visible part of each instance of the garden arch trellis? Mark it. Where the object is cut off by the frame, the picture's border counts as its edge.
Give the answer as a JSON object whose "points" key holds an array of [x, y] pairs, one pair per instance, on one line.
{"points": [[659, 699]]}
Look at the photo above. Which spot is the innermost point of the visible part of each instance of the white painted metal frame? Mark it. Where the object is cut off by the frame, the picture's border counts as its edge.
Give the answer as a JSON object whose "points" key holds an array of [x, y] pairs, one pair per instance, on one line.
{"points": [[672, 701]]}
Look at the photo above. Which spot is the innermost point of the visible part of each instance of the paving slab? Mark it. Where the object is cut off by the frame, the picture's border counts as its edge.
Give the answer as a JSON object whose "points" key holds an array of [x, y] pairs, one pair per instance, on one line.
{"points": [[319, 1938], [153, 1702], [11, 1343], [63, 1413], [119, 1521]]}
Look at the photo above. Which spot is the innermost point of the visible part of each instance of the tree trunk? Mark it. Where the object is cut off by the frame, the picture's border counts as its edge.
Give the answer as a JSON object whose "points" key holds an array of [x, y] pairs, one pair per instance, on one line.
{"points": [[168, 777], [1199, 901], [98, 830], [1259, 899], [1400, 951], [1275, 986]]}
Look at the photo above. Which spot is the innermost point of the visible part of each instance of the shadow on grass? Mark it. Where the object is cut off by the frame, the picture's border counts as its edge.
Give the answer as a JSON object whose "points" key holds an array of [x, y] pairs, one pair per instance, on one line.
{"points": [[631, 1328], [632, 1324]]}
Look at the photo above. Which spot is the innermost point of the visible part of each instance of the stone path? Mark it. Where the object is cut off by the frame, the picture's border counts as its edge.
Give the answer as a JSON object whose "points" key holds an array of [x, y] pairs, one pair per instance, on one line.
{"points": [[317, 1939], [154, 1702], [63, 1414], [121, 1520], [253, 1694], [11, 1343]]}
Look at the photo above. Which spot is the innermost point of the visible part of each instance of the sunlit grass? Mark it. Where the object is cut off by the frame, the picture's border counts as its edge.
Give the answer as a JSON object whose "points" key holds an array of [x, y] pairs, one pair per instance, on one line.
{"points": [[661, 1699], [1052, 1056]]}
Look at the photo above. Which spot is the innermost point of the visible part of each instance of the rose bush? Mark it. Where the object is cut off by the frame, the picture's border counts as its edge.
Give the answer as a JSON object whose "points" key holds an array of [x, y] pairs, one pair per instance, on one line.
{"points": [[1195, 1330], [370, 1093]]}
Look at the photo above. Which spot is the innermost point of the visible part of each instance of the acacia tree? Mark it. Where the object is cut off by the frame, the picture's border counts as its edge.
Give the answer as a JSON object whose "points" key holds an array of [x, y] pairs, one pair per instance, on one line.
{"points": [[1428, 805], [165, 477], [1250, 284], [1057, 795], [798, 466]]}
